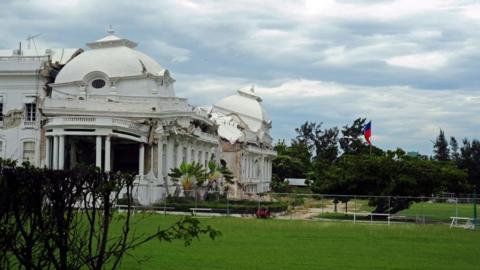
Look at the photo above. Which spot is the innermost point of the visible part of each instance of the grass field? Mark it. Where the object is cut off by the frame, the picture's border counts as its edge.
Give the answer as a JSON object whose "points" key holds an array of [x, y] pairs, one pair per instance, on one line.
{"points": [[284, 244], [433, 212], [440, 211]]}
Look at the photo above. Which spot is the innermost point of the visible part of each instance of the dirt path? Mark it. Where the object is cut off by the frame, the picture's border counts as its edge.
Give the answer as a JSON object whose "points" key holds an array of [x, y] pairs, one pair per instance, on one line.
{"points": [[306, 212]]}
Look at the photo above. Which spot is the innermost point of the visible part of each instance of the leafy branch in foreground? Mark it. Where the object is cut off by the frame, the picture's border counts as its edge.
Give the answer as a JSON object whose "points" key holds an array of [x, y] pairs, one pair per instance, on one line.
{"points": [[63, 219]]}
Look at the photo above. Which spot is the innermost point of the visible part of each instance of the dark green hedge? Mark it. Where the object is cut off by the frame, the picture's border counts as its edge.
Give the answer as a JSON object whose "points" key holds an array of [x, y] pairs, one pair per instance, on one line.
{"points": [[234, 207]]}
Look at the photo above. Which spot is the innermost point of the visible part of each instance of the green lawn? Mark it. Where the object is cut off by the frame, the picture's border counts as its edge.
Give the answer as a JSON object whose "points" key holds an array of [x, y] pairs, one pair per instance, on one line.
{"points": [[433, 212], [439, 211], [284, 244]]}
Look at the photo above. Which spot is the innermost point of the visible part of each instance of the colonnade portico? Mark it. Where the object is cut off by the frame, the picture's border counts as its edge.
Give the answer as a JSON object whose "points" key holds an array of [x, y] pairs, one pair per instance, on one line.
{"points": [[255, 170], [172, 151], [55, 156]]}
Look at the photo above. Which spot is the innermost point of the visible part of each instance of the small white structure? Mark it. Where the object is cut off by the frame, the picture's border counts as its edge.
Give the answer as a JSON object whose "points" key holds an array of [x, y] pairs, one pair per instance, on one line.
{"points": [[115, 107], [296, 182]]}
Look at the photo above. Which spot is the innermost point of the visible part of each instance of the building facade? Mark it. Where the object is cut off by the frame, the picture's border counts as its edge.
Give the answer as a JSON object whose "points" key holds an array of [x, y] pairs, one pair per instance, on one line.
{"points": [[114, 107]]}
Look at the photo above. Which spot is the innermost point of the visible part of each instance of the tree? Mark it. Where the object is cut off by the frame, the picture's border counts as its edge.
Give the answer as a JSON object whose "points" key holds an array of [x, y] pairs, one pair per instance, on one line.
{"points": [[326, 144], [351, 141], [454, 154], [62, 219], [305, 134], [301, 152], [292, 161], [440, 148], [323, 142], [391, 174], [368, 170], [470, 160], [215, 173], [190, 175]]}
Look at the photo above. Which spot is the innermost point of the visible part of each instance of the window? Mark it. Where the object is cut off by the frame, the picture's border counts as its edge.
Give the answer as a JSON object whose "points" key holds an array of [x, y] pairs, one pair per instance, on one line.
{"points": [[192, 155], [200, 157], [30, 112], [1, 149], [98, 83], [206, 159], [29, 152]]}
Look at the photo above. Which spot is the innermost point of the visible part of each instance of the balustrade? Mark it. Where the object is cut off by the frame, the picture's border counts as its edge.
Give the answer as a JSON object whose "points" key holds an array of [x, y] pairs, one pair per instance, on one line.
{"points": [[29, 124], [102, 121]]}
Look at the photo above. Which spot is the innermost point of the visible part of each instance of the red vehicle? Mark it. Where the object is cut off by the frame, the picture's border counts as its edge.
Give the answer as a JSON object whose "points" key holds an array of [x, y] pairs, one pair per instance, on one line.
{"points": [[262, 213]]}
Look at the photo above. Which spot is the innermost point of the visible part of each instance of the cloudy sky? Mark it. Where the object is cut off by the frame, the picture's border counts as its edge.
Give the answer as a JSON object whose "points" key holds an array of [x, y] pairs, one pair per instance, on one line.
{"points": [[410, 66]]}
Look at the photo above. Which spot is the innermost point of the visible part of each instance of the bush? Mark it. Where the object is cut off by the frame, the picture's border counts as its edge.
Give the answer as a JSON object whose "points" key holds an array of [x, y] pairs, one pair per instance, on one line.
{"points": [[233, 207]]}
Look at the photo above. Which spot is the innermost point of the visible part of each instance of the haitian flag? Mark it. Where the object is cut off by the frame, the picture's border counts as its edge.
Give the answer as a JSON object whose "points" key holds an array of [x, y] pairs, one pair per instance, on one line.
{"points": [[367, 131]]}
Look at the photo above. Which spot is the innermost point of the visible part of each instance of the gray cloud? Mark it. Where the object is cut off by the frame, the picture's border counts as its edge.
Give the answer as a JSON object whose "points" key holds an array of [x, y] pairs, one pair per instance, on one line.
{"points": [[416, 56]]}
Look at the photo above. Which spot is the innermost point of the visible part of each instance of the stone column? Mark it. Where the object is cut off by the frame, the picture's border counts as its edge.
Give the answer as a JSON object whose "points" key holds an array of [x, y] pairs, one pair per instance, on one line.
{"points": [[48, 153], [169, 159], [61, 152], [98, 151], [141, 161], [55, 153], [265, 177], [160, 161], [179, 155], [189, 157], [193, 152], [265, 170], [269, 170], [107, 154]]}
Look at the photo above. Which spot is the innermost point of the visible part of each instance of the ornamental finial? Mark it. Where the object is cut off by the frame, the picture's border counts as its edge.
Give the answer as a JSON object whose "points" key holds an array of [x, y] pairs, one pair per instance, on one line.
{"points": [[110, 30]]}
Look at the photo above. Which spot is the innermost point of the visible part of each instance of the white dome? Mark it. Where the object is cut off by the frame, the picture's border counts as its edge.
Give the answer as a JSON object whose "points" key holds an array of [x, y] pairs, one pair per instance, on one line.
{"points": [[248, 107], [111, 55]]}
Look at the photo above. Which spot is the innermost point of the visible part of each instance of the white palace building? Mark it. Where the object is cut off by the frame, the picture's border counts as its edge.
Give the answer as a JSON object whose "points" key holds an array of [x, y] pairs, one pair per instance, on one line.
{"points": [[115, 107]]}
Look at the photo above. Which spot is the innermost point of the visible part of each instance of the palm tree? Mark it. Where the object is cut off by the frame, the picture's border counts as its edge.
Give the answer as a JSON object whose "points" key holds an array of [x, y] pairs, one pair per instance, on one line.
{"points": [[215, 173], [190, 175]]}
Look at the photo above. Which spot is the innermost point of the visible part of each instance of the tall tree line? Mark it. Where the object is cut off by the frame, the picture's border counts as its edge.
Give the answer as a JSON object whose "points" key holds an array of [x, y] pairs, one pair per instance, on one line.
{"points": [[339, 161], [465, 156]]}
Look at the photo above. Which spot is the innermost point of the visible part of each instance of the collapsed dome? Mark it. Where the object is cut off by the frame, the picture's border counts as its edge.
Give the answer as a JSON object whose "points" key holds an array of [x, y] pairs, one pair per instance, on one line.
{"points": [[247, 106]]}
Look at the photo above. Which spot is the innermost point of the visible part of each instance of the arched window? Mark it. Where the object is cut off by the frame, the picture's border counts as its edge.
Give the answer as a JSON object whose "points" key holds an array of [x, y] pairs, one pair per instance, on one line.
{"points": [[96, 80]]}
